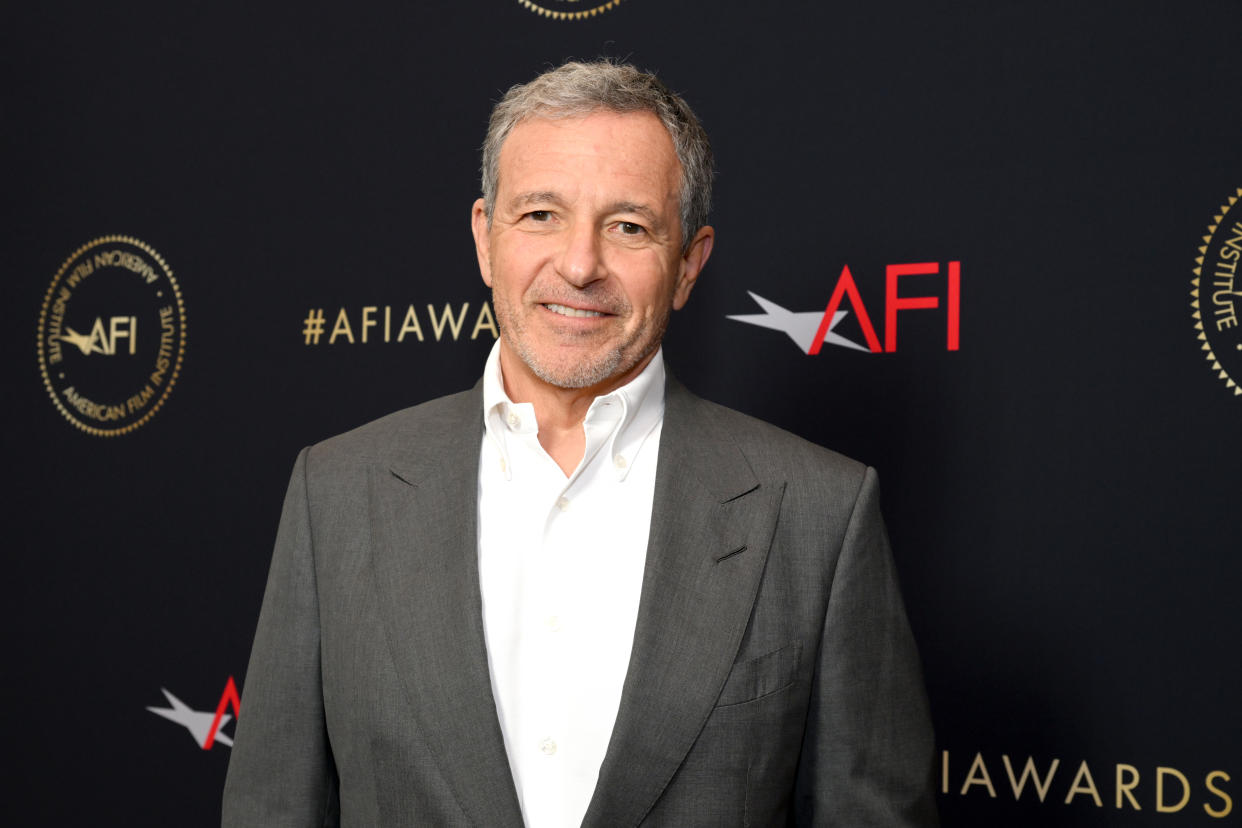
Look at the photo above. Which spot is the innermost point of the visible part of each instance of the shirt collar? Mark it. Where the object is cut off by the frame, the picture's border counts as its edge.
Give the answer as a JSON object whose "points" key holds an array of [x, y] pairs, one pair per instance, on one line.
{"points": [[626, 416]]}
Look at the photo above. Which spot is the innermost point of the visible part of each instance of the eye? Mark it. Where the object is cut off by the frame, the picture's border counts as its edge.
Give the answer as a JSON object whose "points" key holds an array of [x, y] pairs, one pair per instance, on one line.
{"points": [[539, 215], [629, 228]]}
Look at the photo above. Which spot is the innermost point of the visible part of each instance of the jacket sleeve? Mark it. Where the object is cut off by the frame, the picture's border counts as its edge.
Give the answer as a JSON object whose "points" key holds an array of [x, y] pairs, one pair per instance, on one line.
{"points": [[281, 772], [868, 749]]}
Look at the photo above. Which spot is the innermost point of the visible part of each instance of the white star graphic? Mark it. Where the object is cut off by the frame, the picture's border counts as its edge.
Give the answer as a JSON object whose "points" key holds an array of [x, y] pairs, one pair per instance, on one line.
{"points": [[800, 326], [196, 721]]}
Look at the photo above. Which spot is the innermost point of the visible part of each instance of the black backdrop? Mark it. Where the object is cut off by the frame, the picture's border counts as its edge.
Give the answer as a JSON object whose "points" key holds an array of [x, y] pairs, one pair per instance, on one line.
{"points": [[1062, 489]]}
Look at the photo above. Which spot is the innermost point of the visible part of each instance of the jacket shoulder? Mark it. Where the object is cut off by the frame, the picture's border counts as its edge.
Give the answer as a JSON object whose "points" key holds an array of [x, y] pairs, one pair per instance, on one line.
{"points": [[771, 451], [406, 435]]}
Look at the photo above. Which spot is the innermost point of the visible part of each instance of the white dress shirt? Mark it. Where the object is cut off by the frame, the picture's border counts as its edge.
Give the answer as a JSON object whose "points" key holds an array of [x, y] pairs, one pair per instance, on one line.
{"points": [[561, 569]]}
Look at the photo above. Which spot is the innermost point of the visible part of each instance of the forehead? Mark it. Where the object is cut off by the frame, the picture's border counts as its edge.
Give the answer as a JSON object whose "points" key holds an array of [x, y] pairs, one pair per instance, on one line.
{"points": [[618, 149]]}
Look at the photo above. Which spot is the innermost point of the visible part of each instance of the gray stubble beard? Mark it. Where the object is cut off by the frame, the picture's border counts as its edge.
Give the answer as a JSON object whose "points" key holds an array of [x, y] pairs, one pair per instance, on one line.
{"points": [[612, 363]]}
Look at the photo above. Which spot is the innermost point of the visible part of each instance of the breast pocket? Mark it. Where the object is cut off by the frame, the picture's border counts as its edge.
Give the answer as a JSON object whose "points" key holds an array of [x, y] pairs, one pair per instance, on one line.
{"points": [[761, 676]]}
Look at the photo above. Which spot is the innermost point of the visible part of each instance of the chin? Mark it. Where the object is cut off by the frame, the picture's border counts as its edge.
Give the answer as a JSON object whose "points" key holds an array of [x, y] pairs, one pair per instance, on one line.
{"points": [[582, 374]]}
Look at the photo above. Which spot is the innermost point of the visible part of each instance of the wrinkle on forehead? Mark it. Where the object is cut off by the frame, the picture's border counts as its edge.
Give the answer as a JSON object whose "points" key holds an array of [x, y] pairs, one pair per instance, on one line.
{"points": [[606, 164], [612, 142]]}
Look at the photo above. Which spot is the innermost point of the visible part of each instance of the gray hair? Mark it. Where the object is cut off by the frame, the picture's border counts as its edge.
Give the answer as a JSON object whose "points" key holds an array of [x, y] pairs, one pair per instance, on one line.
{"points": [[578, 89]]}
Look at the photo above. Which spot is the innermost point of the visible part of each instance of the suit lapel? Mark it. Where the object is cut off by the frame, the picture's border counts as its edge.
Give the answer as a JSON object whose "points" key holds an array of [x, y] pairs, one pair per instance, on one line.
{"points": [[711, 525], [423, 523]]}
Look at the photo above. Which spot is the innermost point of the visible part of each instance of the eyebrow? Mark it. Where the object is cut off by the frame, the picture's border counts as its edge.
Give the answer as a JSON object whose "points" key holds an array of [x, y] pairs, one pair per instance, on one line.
{"points": [[639, 209], [538, 197]]}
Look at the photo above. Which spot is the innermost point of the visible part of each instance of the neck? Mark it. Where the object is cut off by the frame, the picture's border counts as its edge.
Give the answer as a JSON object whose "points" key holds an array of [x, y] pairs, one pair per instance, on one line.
{"points": [[559, 411]]}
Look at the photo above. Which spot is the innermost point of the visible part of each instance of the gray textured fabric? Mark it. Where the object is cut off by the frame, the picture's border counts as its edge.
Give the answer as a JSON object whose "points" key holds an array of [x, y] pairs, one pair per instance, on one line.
{"points": [[773, 678]]}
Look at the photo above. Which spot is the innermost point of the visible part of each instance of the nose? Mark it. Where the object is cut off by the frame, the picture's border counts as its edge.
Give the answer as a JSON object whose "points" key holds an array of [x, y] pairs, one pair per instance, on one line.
{"points": [[581, 258]]}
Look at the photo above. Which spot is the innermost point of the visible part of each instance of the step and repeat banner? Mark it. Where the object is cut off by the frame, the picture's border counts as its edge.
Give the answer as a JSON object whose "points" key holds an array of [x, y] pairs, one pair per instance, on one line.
{"points": [[990, 249]]}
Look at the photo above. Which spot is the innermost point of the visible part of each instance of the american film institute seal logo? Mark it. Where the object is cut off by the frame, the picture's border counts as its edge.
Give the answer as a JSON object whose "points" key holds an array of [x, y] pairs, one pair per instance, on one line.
{"points": [[111, 335], [1216, 293], [570, 9]]}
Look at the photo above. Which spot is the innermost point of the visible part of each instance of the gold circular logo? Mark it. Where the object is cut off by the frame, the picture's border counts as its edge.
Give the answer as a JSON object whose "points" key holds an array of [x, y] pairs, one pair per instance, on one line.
{"points": [[1216, 294], [111, 335], [569, 9]]}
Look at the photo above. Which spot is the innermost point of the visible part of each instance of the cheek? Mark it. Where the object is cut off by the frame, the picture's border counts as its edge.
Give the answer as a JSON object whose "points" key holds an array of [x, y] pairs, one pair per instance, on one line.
{"points": [[503, 273], [652, 285], [516, 266]]}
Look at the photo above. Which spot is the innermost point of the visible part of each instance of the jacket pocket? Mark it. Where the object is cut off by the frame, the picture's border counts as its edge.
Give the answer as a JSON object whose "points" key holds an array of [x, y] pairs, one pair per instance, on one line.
{"points": [[761, 676]]}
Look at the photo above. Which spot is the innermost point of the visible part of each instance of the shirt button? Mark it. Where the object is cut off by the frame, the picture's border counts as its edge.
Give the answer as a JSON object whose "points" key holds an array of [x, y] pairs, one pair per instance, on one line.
{"points": [[514, 420], [619, 461], [553, 623], [562, 503], [547, 747]]}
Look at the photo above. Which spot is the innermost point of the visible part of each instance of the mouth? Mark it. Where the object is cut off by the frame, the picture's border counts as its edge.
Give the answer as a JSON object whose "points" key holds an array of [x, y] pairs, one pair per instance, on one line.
{"points": [[565, 310]]}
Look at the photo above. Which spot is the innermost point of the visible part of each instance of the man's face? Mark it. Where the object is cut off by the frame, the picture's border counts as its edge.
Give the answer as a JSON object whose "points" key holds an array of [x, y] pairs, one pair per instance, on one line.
{"points": [[584, 252]]}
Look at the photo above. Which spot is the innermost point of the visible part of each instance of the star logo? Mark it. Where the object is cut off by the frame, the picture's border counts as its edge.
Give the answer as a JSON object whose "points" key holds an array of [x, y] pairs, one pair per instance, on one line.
{"points": [[204, 726], [85, 344], [800, 326]]}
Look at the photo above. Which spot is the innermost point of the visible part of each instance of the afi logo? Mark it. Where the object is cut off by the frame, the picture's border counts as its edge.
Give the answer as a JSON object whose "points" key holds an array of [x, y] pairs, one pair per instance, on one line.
{"points": [[811, 329], [103, 340], [203, 725]]}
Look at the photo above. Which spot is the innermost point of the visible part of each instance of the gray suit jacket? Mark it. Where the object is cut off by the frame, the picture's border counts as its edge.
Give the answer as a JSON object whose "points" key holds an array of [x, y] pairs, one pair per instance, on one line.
{"points": [[773, 677]]}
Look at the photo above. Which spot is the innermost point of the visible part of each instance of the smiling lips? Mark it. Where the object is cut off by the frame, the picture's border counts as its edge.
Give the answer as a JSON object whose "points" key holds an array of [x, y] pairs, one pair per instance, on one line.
{"points": [[565, 310]]}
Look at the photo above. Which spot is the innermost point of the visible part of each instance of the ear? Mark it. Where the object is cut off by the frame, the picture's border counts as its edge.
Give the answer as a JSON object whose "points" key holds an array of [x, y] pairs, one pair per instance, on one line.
{"points": [[692, 262], [482, 243]]}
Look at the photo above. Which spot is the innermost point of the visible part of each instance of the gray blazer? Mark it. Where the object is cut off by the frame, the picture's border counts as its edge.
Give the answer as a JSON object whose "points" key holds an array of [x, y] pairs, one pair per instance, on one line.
{"points": [[773, 677]]}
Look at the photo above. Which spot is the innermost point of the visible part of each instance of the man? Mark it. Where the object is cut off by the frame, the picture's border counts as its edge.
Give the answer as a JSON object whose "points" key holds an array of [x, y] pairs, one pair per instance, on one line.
{"points": [[578, 594]]}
